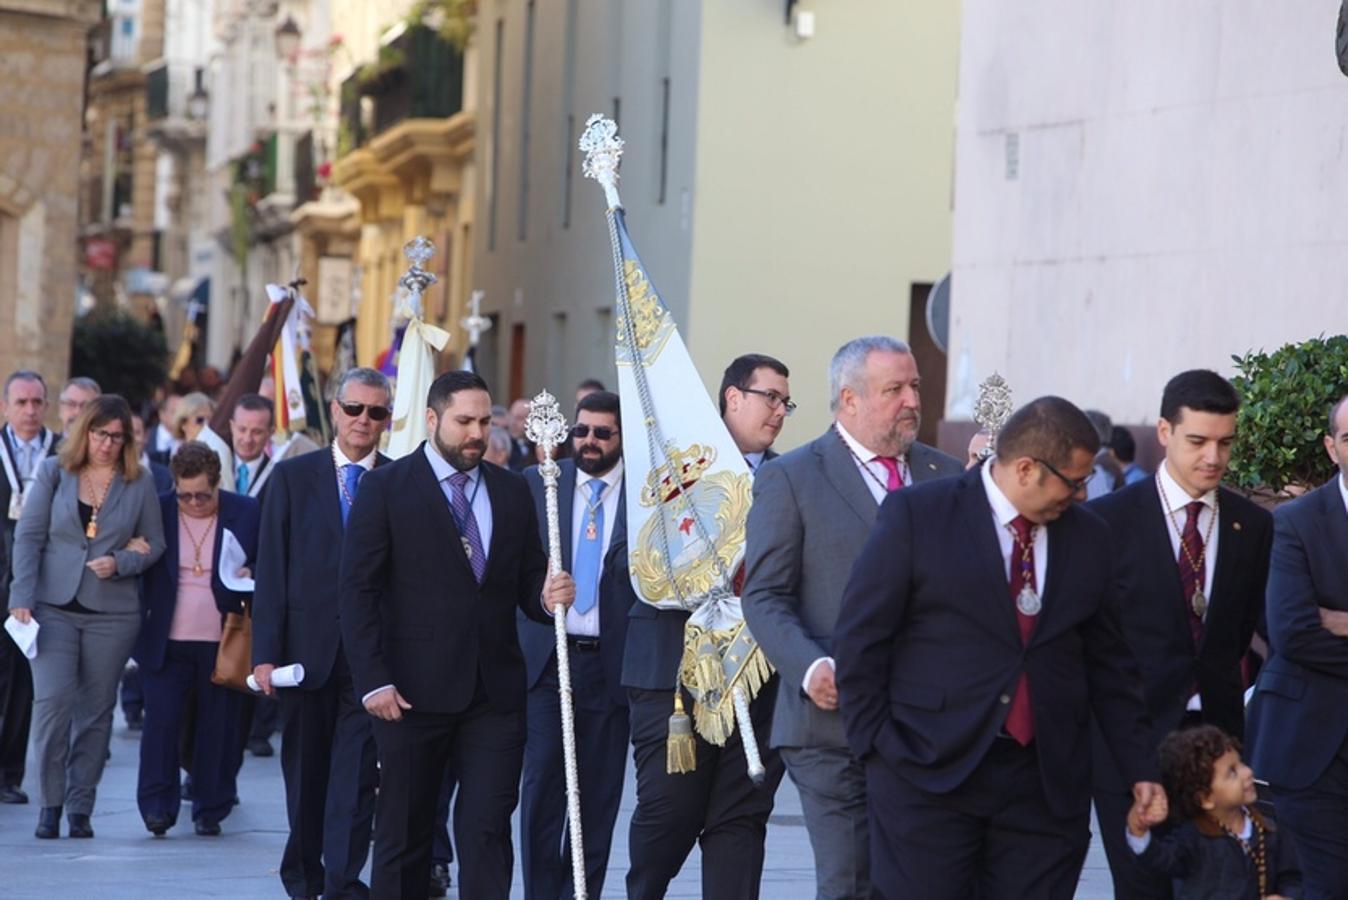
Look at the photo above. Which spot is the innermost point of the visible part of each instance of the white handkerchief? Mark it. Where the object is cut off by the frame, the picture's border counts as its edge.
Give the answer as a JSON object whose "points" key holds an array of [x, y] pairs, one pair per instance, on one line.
{"points": [[282, 677], [24, 635], [232, 559]]}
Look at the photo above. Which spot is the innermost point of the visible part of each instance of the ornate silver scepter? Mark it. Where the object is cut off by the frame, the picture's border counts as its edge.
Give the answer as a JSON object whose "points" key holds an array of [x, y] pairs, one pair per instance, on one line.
{"points": [[992, 409], [546, 427]]}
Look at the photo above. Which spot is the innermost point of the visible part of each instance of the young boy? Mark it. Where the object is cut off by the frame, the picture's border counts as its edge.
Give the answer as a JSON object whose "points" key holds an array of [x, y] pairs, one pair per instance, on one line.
{"points": [[1224, 850]]}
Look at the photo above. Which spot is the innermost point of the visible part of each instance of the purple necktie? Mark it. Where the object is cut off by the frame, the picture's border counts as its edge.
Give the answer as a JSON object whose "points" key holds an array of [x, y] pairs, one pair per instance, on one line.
{"points": [[467, 522]]}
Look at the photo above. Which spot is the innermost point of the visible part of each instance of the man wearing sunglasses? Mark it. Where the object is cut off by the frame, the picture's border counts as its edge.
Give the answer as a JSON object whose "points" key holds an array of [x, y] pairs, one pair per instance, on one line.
{"points": [[440, 552], [593, 514], [327, 746]]}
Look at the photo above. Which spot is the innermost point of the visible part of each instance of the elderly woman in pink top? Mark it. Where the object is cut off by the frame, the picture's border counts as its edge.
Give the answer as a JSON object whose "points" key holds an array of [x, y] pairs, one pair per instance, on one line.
{"points": [[185, 600]]}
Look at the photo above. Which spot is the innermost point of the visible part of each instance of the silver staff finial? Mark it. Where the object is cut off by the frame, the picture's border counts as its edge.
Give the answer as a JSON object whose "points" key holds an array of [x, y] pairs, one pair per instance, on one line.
{"points": [[416, 279], [992, 409], [603, 151], [475, 323], [545, 425]]}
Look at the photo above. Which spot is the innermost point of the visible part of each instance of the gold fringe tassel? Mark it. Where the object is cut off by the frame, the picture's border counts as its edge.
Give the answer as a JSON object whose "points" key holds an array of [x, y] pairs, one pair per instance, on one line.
{"points": [[680, 748], [716, 723]]}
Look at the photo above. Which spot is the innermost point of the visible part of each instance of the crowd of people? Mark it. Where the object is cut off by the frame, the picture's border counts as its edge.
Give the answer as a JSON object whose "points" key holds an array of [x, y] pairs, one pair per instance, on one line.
{"points": [[968, 654]]}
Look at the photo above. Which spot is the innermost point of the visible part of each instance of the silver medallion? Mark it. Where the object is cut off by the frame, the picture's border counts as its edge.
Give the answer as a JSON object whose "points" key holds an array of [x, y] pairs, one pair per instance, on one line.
{"points": [[1199, 603], [467, 548], [1028, 602]]}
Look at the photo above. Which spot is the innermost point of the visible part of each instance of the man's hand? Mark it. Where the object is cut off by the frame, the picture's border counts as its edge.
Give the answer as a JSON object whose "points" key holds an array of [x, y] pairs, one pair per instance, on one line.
{"points": [[262, 675], [139, 545], [22, 613], [387, 704], [104, 567], [821, 688], [1150, 807], [558, 590], [1335, 621]]}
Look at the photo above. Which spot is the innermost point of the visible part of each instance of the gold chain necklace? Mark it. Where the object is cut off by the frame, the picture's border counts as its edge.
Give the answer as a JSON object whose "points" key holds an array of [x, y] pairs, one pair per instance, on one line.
{"points": [[91, 530], [1198, 602], [197, 568]]}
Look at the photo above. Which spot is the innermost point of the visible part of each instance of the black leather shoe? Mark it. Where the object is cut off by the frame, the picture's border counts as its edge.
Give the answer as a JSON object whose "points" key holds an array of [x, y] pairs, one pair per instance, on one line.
{"points": [[439, 881], [12, 794], [48, 822], [260, 747], [207, 829], [158, 825], [79, 825]]}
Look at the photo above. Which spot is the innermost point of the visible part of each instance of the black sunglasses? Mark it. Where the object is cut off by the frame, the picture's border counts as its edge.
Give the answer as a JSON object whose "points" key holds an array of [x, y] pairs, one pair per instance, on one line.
{"points": [[377, 413], [601, 432], [1077, 486]]}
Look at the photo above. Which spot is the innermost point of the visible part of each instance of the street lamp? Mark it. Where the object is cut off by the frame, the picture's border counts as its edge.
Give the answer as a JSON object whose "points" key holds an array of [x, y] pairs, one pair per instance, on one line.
{"points": [[198, 102], [287, 39]]}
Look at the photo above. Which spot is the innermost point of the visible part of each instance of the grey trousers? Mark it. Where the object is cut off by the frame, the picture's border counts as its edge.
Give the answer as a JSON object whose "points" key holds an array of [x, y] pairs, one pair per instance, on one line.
{"points": [[80, 658], [832, 786]]}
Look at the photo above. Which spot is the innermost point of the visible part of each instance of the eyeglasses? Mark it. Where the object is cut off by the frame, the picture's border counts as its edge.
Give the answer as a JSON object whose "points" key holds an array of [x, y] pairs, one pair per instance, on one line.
{"points": [[110, 437], [377, 413], [1077, 486], [773, 399], [200, 498], [601, 432]]}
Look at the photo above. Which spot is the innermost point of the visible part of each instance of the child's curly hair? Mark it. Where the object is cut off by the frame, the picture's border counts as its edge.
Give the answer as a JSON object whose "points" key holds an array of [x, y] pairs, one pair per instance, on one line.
{"points": [[1187, 758]]}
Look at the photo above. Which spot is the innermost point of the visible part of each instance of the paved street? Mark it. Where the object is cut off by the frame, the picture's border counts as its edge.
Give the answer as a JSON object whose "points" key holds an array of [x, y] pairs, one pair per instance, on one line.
{"points": [[124, 861]]}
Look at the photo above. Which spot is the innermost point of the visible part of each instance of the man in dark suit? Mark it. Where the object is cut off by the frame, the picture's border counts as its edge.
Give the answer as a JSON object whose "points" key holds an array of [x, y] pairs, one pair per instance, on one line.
{"points": [[1190, 565], [522, 454], [1298, 733], [327, 748], [592, 512], [812, 510], [26, 444], [250, 431], [440, 552], [976, 639], [716, 806]]}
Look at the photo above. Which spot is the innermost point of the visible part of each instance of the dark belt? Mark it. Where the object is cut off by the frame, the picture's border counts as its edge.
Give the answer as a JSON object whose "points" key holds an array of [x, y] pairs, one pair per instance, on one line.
{"points": [[582, 643]]}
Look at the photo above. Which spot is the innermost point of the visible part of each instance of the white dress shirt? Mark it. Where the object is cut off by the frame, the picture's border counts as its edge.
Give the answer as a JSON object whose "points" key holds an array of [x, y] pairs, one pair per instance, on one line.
{"points": [[1003, 512], [1343, 491], [1176, 515], [755, 460], [587, 624]]}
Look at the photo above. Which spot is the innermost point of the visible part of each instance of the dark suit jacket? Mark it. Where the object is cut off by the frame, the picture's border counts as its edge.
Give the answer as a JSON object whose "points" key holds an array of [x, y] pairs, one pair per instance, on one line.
{"points": [[241, 516], [521, 458], [654, 636], [1155, 614], [413, 615], [1296, 722], [295, 604], [929, 652], [163, 478], [538, 642], [7, 544]]}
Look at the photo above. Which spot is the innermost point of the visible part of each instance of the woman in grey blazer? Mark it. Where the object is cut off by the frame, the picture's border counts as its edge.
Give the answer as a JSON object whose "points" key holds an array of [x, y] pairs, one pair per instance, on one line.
{"points": [[89, 527]]}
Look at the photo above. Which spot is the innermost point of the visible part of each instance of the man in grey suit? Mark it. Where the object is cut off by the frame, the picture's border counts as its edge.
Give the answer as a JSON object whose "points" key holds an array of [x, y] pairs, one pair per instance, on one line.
{"points": [[813, 509]]}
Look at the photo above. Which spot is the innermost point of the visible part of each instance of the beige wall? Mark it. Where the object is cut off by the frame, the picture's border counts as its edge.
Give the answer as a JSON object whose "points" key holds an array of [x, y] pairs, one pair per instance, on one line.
{"points": [[823, 182]]}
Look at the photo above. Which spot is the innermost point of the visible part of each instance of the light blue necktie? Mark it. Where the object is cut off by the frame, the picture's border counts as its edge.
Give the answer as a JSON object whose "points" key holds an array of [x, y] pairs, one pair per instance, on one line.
{"points": [[589, 550], [351, 473], [241, 481]]}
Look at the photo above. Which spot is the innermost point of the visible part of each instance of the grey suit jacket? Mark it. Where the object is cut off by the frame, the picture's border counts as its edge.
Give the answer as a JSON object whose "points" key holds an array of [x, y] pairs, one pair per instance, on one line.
{"points": [[811, 515], [50, 549]]}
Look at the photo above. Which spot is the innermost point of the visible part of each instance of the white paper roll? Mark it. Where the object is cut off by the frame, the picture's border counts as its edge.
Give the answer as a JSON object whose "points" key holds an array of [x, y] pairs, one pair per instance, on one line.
{"points": [[282, 677]]}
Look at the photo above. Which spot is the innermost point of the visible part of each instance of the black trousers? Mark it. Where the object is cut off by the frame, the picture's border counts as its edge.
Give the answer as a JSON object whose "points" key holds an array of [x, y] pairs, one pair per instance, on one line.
{"points": [[992, 837], [132, 697], [1317, 821], [716, 806], [328, 759], [485, 746], [601, 752], [16, 711], [442, 848]]}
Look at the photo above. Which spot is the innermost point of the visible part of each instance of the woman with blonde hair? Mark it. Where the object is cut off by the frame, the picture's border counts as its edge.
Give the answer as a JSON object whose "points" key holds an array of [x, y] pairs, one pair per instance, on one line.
{"points": [[192, 414], [90, 525]]}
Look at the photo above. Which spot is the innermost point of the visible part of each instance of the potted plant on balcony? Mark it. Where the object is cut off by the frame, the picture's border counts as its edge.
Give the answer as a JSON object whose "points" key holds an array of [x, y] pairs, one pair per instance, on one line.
{"points": [[1286, 395]]}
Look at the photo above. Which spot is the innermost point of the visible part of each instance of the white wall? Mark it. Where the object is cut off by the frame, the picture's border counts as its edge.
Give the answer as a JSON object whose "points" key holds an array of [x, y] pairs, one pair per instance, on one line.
{"points": [[1181, 193]]}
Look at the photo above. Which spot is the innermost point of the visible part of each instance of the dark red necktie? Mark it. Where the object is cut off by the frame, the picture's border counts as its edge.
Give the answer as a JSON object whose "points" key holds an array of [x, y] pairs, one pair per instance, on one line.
{"points": [[1020, 720], [1192, 568]]}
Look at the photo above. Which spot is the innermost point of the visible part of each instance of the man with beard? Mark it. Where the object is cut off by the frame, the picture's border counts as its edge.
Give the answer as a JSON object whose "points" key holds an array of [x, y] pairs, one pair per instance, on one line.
{"points": [[716, 806], [440, 551], [593, 515], [812, 511], [327, 748]]}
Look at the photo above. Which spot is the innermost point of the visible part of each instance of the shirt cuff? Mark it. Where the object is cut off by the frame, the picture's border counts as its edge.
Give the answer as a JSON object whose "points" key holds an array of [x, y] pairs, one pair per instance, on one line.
{"points": [[1137, 844], [366, 698], [805, 683]]}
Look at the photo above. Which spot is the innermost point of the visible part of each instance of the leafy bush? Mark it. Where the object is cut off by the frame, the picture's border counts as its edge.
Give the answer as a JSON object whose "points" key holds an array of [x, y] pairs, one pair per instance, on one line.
{"points": [[124, 355], [1286, 396]]}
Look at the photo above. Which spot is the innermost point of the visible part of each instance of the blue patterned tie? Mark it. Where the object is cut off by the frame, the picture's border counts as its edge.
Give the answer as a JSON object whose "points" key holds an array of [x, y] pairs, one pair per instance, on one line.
{"points": [[589, 550], [351, 473], [467, 522]]}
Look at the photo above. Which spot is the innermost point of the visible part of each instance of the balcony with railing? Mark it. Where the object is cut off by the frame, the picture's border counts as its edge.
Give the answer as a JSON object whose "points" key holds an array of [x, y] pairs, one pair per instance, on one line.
{"points": [[419, 75]]}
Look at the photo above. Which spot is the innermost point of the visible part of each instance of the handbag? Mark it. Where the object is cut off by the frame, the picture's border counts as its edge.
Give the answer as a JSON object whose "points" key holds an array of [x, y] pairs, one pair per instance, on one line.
{"points": [[233, 659]]}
